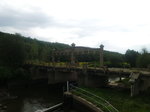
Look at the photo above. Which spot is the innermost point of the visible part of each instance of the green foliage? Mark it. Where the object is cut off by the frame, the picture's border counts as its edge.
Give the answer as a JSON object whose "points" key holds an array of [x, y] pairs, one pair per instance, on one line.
{"points": [[16, 49], [5, 73], [113, 59], [126, 65], [131, 57], [143, 60], [122, 100], [136, 59], [20, 74], [11, 50]]}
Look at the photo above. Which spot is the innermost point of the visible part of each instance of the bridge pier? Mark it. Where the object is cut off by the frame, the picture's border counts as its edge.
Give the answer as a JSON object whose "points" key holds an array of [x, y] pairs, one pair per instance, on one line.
{"points": [[51, 77], [144, 83], [134, 89], [55, 76], [95, 80], [140, 86], [38, 73], [92, 79], [139, 83]]}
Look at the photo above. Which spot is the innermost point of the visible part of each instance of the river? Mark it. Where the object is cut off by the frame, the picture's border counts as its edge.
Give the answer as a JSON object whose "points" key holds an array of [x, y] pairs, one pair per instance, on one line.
{"points": [[32, 99]]}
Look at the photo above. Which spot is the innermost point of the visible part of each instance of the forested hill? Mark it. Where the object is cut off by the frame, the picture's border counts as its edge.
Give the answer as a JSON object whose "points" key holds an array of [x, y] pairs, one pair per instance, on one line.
{"points": [[16, 49]]}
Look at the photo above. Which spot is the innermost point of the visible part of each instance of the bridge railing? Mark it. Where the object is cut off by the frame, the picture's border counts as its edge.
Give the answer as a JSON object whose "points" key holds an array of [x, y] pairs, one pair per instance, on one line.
{"points": [[100, 102]]}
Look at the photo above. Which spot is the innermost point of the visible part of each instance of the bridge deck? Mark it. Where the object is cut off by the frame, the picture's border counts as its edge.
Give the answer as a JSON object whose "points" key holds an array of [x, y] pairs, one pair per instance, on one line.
{"points": [[109, 71]]}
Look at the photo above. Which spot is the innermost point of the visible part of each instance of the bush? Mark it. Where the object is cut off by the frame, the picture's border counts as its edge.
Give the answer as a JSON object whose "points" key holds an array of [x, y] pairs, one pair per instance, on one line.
{"points": [[21, 74], [5, 73]]}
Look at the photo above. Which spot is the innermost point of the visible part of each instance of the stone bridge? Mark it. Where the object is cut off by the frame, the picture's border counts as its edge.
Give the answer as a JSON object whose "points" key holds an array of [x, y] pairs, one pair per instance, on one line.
{"points": [[90, 77], [85, 76]]}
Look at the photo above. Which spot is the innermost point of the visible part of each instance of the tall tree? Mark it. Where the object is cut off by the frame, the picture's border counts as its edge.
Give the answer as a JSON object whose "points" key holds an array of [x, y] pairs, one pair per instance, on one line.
{"points": [[131, 57], [11, 51], [143, 59]]}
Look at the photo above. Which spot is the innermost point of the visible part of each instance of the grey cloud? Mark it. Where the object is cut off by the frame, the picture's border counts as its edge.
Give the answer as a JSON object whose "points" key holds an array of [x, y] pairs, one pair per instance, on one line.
{"points": [[21, 19], [117, 28], [89, 27]]}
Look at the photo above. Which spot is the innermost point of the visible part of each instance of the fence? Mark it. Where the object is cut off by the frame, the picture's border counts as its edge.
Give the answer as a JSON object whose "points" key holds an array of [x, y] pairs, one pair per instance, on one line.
{"points": [[100, 102]]}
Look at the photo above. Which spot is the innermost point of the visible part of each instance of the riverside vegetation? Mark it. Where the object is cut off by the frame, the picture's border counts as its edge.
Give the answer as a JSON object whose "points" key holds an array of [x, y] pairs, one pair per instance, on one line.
{"points": [[120, 99]]}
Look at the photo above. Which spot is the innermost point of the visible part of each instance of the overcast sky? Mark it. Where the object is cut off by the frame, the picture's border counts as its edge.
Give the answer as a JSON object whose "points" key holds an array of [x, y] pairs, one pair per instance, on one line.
{"points": [[117, 24]]}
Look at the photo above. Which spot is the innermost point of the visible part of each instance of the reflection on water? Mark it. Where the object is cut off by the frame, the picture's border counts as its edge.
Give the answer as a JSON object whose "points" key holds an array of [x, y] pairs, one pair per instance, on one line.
{"points": [[114, 79], [32, 99]]}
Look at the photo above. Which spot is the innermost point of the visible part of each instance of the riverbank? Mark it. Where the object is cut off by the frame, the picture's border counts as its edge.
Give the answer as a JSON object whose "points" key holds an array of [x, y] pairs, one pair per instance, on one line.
{"points": [[122, 101]]}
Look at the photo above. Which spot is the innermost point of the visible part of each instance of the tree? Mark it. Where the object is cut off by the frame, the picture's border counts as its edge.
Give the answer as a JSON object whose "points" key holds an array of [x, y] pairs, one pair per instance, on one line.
{"points": [[11, 51], [113, 59], [143, 59], [131, 57]]}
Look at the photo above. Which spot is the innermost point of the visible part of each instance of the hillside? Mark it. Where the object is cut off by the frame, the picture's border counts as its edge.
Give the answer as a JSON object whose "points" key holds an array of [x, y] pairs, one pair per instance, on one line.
{"points": [[16, 49]]}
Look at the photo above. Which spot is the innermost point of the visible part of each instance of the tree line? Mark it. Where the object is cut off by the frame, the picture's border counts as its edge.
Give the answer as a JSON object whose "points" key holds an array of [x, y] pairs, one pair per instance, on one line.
{"points": [[16, 50], [138, 59]]}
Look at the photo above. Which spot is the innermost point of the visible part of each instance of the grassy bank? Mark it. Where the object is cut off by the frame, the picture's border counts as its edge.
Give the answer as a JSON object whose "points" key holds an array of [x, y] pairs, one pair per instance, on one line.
{"points": [[122, 100]]}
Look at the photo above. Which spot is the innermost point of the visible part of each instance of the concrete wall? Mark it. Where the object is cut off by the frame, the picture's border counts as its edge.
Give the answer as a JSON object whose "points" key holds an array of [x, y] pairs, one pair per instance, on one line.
{"points": [[61, 76], [84, 78], [37, 73], [92, 79], [144, 83]]}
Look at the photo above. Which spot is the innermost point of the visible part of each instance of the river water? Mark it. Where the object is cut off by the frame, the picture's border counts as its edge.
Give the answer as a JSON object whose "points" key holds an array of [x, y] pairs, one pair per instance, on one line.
{"points": [[32, 99]]}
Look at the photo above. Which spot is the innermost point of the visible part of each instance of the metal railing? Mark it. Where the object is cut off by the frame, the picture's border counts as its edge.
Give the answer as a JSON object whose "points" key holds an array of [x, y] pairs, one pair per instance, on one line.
{"points": [[51, 109], [100, 102]]}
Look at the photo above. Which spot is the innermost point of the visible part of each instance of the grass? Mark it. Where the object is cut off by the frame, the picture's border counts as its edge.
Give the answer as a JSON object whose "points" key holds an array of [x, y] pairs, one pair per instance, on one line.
{"points": [[99, 103], [122, 100]]}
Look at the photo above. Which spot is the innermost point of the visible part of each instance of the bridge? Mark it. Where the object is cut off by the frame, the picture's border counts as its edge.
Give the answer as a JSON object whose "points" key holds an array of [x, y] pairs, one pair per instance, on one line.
{"points": [[87, 76]]}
